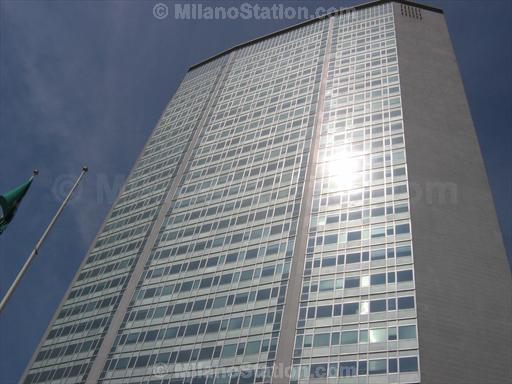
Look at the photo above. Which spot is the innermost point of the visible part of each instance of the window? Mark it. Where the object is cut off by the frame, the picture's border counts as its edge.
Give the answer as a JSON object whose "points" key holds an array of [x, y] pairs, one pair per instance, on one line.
{"points": [[404, 276], [321, 340], [235, 323], [318, 371], [378, 279], [378, 254], [377, 212], [328, 261], [252, 347], [324, 311], [353, 236], [363, 367], [206, 353], [331, 239], [405, 302], [326, 285], [392, 366], [350, 308], [228, 351], [219, 302], [353, 258], [377, 366], [403, 251], [352, 282], [183, 356], [378, 335], [349, 337], [377, 305], [378, 232], [407, 332], [246, 275], [408, 364], [402, 229], [213, 326], [258, 320], [348, 368]]}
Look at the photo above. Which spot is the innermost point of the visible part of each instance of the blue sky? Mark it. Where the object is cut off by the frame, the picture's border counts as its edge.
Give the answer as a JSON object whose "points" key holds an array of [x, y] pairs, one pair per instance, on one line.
{"points": [[85, 82]]}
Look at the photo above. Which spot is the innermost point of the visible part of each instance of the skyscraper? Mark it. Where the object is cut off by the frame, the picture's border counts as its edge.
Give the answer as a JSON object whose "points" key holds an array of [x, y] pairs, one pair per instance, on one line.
{"points": [[312, 206]]}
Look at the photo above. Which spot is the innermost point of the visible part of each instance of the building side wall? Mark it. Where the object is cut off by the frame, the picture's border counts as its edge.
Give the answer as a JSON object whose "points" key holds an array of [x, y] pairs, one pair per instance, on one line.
{"points": [[463, 283]]}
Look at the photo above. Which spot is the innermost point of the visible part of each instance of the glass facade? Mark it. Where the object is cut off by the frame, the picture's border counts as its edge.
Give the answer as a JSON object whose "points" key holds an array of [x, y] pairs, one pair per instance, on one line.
{"points": [[357, 314], [241, 139]]}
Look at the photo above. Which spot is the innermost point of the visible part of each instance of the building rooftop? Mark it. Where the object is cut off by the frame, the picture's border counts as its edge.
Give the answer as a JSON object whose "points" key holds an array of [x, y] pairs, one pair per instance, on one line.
{"points": [[298, 25]]}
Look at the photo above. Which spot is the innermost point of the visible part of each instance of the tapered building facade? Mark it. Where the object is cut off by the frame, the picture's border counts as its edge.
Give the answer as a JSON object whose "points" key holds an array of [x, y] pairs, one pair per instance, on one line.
{"points": [[312, 206]]}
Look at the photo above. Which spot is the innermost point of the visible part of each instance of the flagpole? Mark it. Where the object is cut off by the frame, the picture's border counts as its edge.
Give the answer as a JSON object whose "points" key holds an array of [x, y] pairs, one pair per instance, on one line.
{"points": [[35, 250]]}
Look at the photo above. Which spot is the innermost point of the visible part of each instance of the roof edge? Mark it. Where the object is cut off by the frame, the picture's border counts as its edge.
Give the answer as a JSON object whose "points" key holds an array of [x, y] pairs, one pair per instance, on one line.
{"points": [[313, 20]]}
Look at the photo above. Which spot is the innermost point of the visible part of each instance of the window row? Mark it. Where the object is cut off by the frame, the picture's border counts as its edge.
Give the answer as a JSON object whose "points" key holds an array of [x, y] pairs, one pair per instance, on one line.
{"points": [[67, 350], [78, 327], [89, 306], [357, 196], [103, 270], [260, 234], [353, 183], [280, 271], [256, 129], [241, 298], [356, 368], [376, 231], [249, 217], [400, 250], [329, 285], [133, 246], [358, 308], [226, 351], [374, 335], [328, 218], [194, 329], [95, 288]]}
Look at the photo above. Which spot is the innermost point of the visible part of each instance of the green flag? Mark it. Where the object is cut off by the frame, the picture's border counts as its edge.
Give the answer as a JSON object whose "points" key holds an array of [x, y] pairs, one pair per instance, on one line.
{"points": [[10, 201]]}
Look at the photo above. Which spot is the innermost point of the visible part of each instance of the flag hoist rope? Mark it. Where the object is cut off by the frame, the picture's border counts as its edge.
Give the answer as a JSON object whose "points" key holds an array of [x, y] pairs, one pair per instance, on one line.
{"points": [[35, 250]]}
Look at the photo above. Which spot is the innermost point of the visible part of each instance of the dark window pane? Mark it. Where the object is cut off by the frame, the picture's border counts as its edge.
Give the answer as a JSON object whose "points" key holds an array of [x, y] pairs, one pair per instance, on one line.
{"points": [[392, 366], [363, 367], [405, 302], [378, 254], [331, 239], [408, 364], [352, 236], [403, 251], [328, 261], [348, 368], [318, 371], [352, 282], [353, 258], [350, 308], [401, 229], [378, 279], [324, 311], [377, 305], [404, 276]]}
